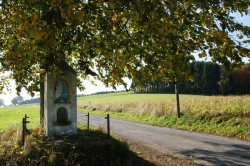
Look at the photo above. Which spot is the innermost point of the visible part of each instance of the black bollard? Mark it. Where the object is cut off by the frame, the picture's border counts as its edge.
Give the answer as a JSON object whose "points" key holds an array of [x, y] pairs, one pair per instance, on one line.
{"points": [[87, 121], [108, 125]]}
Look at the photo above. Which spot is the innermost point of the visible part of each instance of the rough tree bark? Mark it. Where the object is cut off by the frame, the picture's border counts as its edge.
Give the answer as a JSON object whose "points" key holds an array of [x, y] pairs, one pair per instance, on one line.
{"points": [[41, 103]]}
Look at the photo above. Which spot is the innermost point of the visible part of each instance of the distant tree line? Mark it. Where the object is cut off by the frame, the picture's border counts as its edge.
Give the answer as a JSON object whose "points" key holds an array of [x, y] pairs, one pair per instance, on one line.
{"points": [[17, 100], [206, 78], [30, 101]]}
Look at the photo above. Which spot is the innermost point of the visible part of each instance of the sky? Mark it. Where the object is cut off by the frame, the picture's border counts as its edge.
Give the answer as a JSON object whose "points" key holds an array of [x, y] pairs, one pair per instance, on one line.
{"points": [[245, 19], [90, 88]]}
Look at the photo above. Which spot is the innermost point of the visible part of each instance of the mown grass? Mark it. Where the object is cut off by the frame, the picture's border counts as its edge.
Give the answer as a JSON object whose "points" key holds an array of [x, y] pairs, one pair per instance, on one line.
{"points": [[220, 115], [11, 116]]}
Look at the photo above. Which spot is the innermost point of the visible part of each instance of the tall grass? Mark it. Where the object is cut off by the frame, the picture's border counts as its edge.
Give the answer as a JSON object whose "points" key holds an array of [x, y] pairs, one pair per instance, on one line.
{"points": [[156, 104], [81, 149], [165, 105]]}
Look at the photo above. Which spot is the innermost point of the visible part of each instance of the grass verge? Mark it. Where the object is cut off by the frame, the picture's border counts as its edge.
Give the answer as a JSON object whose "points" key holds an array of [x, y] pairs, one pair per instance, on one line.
{"points": [[220, 125]]}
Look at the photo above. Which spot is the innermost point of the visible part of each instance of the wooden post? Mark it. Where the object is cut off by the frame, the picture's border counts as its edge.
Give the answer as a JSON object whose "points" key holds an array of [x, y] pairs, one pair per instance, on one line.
{"points": [[177, 100], [23, 131], [24, 128]]}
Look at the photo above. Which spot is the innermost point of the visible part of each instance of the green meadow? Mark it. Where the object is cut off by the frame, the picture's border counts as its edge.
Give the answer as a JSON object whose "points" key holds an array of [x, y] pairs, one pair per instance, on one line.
{"points": [[12, 116]]}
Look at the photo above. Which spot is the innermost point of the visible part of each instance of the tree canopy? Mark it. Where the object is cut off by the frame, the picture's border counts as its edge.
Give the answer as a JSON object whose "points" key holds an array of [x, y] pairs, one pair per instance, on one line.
{"points": [[117, 39]]}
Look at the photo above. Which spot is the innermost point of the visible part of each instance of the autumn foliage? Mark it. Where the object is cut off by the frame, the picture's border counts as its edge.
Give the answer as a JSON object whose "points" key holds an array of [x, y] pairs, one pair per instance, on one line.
{"points": [[129, 38]]}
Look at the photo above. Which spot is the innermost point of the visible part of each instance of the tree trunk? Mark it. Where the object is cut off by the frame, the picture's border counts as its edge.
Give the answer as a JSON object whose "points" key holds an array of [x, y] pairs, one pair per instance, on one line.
{"points": [[177, 100], [42, 103]]}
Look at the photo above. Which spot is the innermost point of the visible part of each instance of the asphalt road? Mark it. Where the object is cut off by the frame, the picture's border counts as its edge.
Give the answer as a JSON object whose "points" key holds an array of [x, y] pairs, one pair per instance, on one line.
{"points": [[202, 148]]}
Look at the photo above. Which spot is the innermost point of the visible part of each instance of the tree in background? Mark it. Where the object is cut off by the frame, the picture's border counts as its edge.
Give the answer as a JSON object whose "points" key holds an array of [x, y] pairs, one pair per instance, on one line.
{"points": [[129, 38], [239, 80], [16, 100], [1, 102], [205, 78], [224, 80]]}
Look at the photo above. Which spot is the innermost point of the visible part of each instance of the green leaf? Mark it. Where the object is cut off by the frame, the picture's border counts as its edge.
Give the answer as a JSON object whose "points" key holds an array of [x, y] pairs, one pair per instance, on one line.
{"points": [[203, 54]]}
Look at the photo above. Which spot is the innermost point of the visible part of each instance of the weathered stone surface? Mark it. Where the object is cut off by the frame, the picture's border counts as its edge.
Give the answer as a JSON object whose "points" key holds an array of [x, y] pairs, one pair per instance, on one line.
{"points": [[60, 102]]}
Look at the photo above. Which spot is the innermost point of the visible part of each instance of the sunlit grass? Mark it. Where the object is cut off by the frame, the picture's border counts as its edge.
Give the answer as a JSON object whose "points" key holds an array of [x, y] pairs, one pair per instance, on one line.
{"points": [[125, 97], [12, 116], [165, 104]]}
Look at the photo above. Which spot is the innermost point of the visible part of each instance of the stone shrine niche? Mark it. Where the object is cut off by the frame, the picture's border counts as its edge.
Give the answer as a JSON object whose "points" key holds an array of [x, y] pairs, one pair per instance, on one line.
{"points": [[60, 114], [61, 92]]}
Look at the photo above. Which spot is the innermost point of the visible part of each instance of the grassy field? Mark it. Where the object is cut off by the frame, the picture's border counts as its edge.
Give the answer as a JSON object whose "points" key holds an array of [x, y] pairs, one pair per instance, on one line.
{"points": [[227, 116], [128, 97], [11, 116]]}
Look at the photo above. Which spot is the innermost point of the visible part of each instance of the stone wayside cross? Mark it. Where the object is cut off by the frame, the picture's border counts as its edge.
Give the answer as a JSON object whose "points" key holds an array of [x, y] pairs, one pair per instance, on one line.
{"points": [[60, 107]]}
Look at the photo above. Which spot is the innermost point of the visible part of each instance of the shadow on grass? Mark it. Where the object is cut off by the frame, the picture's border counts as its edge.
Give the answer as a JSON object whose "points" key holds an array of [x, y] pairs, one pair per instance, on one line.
{"points": [[86, 148]]}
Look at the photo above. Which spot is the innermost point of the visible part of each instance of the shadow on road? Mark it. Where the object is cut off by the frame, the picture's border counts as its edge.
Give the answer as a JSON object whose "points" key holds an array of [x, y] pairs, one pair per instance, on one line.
{"points": [[227, 154]]}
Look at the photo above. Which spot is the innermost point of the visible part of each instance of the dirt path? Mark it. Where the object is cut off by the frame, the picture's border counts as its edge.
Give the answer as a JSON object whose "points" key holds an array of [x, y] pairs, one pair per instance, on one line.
{"points": [[202, 148]]}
